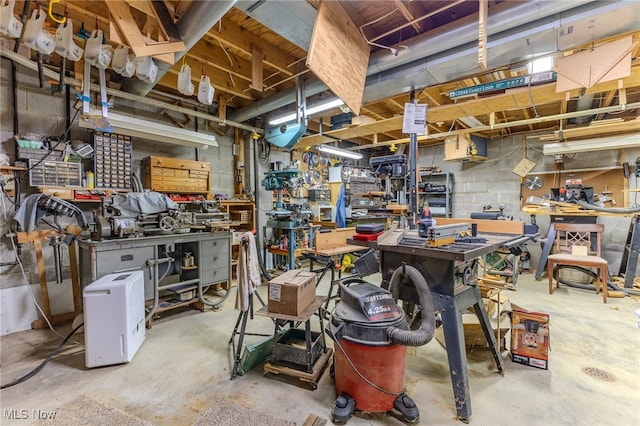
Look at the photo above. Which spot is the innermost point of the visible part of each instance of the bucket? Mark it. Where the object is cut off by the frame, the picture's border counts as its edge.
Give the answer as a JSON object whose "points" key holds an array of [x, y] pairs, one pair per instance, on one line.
{"points": [[9, 24], [146, 69], [185, 86], [97, 54], [381, 365], [122, 63], [36, 36], [65, 46], [205, 90]]}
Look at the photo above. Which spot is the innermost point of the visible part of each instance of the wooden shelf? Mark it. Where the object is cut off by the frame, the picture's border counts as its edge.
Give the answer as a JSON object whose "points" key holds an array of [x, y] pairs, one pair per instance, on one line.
{"points": [[285, 252], [13, 168]]}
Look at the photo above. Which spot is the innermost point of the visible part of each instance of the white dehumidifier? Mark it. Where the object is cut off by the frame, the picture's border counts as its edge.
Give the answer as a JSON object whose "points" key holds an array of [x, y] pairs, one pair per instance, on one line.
{"points": [[114, 325]]}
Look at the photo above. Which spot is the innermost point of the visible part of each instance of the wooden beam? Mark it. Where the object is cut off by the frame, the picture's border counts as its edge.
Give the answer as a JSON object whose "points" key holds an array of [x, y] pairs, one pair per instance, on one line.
{"points": [[222, 108], [257, 56], [389, 124], [125, 22], [513, 99], [211, 53], [235, 36], [407, 15], [482, 33], [238, 158]]}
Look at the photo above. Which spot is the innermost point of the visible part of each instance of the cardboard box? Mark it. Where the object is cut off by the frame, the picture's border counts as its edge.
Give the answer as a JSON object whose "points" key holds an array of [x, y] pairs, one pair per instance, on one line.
{"points": [[474, 338], [530, 337], [291, 292]]}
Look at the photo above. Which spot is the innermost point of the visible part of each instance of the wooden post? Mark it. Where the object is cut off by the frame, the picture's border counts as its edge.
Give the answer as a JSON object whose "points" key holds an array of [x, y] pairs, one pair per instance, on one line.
{"points": [[36, 238], [238, 159]]}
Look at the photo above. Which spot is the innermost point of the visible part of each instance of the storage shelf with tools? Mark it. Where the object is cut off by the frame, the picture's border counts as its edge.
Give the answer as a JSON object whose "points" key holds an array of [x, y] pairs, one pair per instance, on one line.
{"points": [[436, 192]]}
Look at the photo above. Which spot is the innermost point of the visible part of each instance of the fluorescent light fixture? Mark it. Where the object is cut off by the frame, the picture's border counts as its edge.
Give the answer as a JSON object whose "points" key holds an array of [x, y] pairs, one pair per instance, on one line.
{"points": [[309, 111], [339, 152], [616, 142], [130, 126], [540, 65], [472, 121]]}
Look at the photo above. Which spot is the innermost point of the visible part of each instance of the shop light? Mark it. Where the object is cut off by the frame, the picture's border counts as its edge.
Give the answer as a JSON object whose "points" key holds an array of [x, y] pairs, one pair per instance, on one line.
{"points": [[471, 121], [328, 149], [309, 111], [136, 127], [615, 142]]}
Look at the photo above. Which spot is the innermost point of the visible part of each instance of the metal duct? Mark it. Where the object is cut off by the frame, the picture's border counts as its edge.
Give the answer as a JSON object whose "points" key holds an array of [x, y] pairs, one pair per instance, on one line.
{"points": [[450, 52], [195, 23], [585, 102]]}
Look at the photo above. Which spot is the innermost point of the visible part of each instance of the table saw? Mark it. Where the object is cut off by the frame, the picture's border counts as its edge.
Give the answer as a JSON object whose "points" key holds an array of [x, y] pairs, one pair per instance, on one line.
{"points": [[451, 273]]}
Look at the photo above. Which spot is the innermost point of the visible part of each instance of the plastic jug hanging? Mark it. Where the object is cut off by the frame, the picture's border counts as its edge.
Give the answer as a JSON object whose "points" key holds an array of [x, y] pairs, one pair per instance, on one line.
{"points": [[9, 24], [185, 86], [65, 46], [36, 35], [146, 69], [122, 62], [97, 54], [205, 90]]}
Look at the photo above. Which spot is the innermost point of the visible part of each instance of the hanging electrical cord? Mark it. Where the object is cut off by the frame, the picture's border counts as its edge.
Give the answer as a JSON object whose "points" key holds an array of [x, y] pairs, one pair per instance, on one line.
{"points": [[62, 138], [393, 50], [43, 363], [24, 275]]}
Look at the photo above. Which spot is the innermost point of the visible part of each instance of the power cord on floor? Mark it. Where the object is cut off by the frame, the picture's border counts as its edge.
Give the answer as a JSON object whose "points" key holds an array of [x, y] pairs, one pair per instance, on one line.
{"points": [[24, 275], [43, 363]]}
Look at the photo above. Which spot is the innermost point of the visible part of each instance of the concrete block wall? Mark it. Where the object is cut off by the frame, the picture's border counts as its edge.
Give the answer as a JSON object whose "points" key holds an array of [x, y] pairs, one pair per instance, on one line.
{"points": [[492, 182], [43, 113]]}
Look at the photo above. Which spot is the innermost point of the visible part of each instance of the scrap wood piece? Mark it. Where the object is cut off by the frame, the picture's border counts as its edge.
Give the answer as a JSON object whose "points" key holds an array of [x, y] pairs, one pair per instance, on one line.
{"points": [[129, 29], [493, 283], [313, 420], [176, 121]]}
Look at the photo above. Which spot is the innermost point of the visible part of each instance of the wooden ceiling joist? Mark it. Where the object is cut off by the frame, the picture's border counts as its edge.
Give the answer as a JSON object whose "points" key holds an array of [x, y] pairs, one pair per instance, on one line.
{"points": [[232, 35], [124, 20]]}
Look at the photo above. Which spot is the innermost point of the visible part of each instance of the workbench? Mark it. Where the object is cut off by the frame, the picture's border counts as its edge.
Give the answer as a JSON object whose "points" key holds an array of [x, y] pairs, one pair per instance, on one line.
{"points": [[451, 273], [161, 257]]}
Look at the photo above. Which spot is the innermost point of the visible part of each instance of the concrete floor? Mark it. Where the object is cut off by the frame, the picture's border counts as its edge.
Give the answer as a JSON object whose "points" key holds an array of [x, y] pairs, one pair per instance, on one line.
{"points": [[183, 368]]}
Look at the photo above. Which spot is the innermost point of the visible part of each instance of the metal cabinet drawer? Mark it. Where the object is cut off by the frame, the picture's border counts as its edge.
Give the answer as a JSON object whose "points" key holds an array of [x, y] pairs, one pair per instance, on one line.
{"points": [[215, 275], [212, 248]]}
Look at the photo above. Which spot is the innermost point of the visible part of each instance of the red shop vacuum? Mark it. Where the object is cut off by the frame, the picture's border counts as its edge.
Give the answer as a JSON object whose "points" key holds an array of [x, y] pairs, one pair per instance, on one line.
{"points": [[370, 333]]}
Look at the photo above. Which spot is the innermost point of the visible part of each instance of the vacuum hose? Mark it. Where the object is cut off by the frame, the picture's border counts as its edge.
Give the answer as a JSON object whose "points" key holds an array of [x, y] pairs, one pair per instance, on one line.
{"points": [[424, 334], [620, 210]]}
